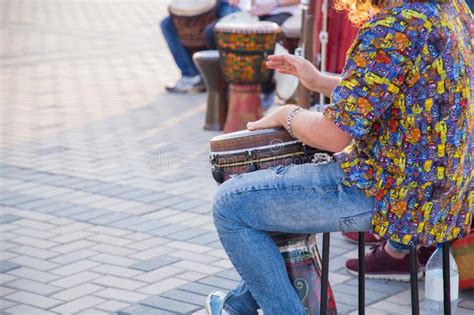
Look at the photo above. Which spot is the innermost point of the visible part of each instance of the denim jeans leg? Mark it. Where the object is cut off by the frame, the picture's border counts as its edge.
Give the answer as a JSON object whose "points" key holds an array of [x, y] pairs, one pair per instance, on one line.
{"points": [[223, 9], [399, 246], [240, 301], [181, 55], [306, 198]]}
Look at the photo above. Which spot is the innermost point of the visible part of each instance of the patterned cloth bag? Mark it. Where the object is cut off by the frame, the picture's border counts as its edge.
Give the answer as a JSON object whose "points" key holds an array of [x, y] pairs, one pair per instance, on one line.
{"points": [[463, 252]]}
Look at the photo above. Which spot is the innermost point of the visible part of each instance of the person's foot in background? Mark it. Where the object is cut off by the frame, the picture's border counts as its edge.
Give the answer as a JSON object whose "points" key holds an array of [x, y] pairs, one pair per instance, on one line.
{"points": [[370, 238], [384, 262], [188, 85]]}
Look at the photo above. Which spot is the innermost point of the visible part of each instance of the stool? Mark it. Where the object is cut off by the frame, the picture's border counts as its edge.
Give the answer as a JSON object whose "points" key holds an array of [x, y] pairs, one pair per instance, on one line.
{"points": [[207, 62], [415, 304]]}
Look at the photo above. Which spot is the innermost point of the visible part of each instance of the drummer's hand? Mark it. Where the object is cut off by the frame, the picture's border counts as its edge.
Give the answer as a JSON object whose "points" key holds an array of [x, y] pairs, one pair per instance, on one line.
{"points": [[234, 3], [275, 119], [263, 8], [297, 66]]}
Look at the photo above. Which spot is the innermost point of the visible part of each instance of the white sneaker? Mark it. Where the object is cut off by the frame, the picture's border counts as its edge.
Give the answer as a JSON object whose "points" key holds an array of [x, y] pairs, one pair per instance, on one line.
{"points": [[188, 85]]}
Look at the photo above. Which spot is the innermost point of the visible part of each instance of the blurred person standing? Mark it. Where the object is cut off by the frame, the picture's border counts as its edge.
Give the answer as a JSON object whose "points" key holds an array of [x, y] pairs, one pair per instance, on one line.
{"points": [[190, 81]]}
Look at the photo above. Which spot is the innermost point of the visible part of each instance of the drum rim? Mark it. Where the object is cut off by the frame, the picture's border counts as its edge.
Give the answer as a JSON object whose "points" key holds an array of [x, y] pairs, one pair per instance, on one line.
{"points": [[266, 27], [180, 12], [247, 133], [263, 147], [292, 32]]}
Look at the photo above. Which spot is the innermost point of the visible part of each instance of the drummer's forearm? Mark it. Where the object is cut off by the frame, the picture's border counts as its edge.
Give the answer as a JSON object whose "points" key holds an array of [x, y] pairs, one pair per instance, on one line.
{"points": [[326, 84], [316, 130]]}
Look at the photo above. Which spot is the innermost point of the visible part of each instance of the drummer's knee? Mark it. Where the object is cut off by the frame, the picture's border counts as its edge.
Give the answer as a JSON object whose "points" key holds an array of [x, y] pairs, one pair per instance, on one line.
{"points": [[223, 205]]}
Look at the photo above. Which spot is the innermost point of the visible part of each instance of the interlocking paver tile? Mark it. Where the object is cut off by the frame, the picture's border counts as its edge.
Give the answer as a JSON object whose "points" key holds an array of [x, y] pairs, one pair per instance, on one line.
{"points": [[159, 274], [78, 305], [73, 246], [73, 268], [219, 282], [34, 263], [33, 286], [6, 266], [112, 306], [154, 263], [162, 286], [187, 255], [169, 305], [114, 260], [76, 279], [25, 309], [34, 233], [8, 218], [189, 297], [77, 292], [121, 295], [33, 299], [142, 309], [117, 271], [119, 283], [32, 274]]}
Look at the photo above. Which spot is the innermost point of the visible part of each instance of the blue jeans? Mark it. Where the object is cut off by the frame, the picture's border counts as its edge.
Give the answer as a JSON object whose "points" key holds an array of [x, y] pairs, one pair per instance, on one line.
{"points": [[182, 56], [308, 198]]}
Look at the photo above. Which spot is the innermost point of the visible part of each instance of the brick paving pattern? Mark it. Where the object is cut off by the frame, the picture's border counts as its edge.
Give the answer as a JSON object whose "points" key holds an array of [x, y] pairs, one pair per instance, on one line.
{"points": [[105, 184]]}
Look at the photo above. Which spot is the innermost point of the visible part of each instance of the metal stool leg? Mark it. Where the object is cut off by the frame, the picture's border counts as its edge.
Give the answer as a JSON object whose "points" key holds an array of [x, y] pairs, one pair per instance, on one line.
{"points": [[415, 303], [446, 280], [361, 273], [325, 274]]}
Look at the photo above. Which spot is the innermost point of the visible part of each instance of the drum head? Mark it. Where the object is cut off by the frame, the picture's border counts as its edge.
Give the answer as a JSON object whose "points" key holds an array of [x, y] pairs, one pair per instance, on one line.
{"points": [[292, 27], [257, 27], [191, 7], [245, 139], [286, 84], [238, 17]]}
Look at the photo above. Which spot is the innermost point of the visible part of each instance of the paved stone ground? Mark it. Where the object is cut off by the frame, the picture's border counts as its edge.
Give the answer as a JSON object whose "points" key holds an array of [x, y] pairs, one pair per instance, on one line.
{"points": [[105, 185]]}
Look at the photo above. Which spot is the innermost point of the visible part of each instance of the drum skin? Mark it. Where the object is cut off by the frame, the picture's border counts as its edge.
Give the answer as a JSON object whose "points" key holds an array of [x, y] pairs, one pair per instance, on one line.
{"points": [[230, 154]]}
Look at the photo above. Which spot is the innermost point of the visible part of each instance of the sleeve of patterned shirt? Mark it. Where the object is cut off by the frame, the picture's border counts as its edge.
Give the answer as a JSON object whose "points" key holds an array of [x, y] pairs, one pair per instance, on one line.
{"points": [[374, 74]]}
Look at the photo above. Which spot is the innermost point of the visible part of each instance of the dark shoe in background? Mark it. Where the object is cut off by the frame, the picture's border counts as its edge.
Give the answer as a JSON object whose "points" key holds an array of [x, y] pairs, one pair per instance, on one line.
{"points": [[380, 265]]}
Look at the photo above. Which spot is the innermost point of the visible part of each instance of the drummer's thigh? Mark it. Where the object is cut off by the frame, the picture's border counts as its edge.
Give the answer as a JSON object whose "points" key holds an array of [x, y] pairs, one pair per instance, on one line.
{"points": [[307, 198]]}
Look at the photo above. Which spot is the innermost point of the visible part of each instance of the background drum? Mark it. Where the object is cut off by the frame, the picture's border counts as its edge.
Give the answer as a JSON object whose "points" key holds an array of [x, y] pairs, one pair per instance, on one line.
{"points": [[239, 17], [246, 151], [244, 48], [291, 30], [190, 17]]}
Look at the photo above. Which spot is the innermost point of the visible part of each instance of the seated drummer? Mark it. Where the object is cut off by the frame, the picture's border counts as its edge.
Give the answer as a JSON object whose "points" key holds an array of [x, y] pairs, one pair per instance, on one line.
{"points": [[277, 11], [190, 81], [402, 122]]}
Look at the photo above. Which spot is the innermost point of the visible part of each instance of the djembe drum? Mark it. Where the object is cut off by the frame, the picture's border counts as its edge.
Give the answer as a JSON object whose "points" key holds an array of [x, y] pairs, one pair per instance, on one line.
{"points": [[243, 48], [247, 151], [190, 18], [291, 30]]}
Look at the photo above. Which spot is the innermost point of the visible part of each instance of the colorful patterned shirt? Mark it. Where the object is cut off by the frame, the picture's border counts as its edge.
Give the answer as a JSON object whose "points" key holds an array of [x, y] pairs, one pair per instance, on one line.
{"points": [[406, 96]]}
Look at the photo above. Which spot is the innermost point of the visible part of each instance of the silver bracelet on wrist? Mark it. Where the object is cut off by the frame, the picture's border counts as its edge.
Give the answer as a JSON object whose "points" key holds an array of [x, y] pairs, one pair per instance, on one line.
{"points": [[290, 117]]}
